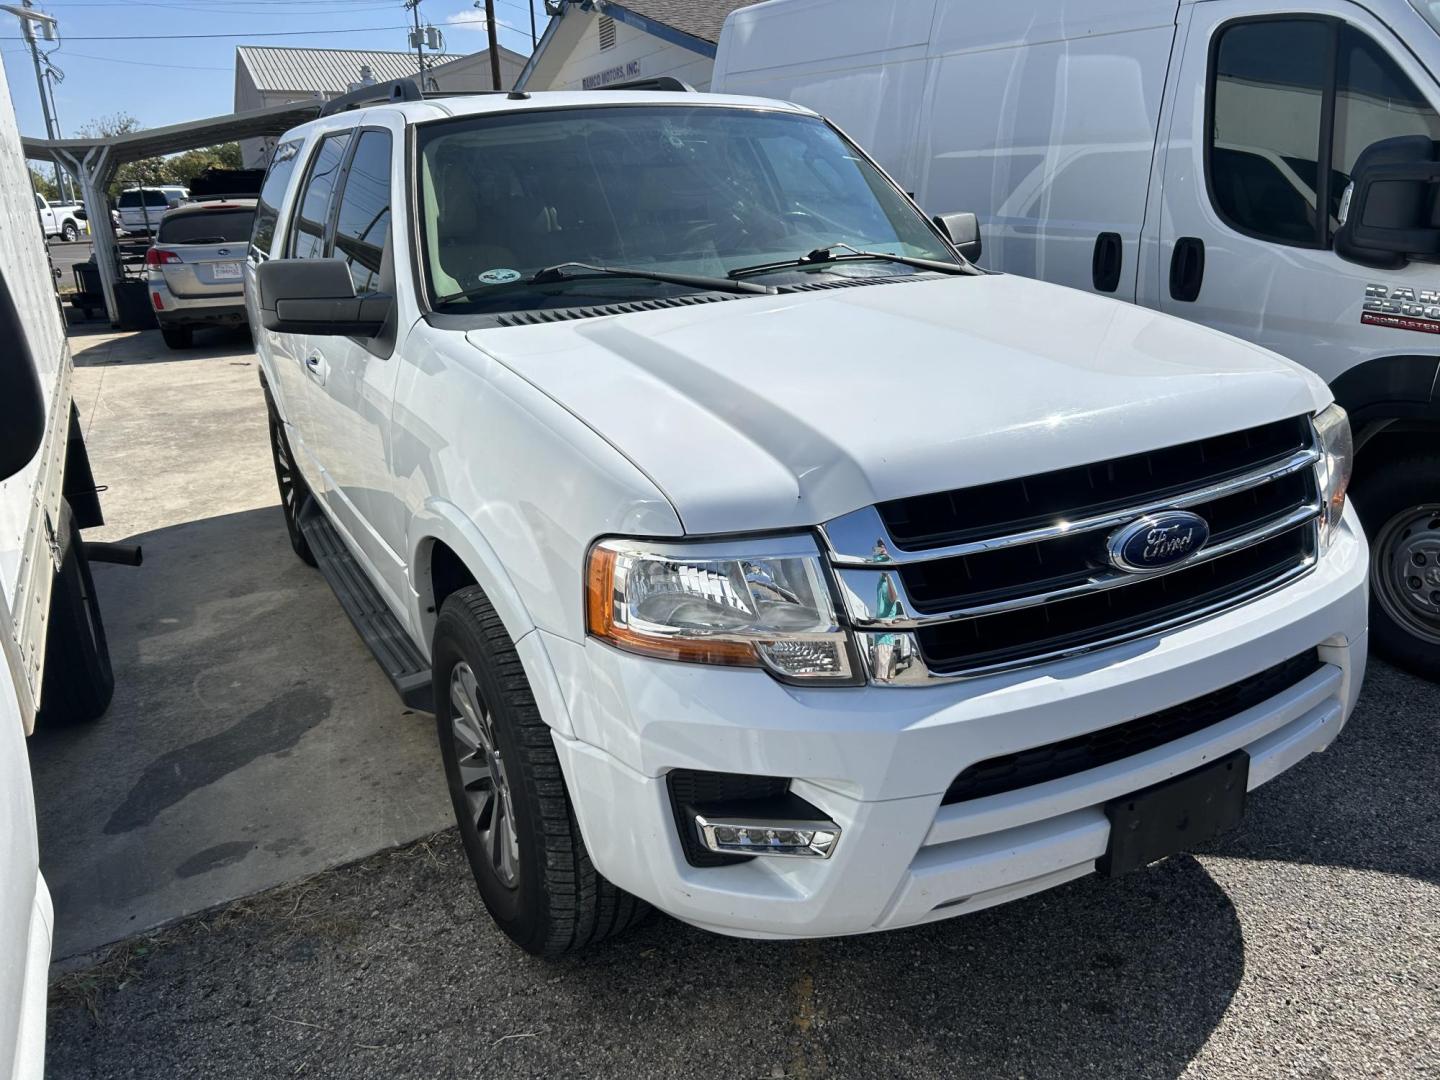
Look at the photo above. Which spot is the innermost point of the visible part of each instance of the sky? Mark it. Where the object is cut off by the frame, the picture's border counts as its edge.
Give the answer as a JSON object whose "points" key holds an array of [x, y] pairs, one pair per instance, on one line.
{"points": [[135, 56]]}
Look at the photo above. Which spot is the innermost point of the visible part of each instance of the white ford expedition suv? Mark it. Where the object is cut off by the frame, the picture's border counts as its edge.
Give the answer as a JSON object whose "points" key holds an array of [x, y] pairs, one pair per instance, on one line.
{"points": [[760, 558]]}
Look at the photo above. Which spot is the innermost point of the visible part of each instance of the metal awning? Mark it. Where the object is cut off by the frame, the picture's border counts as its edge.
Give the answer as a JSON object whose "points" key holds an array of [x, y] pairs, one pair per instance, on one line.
{"points": [[94, 162]]}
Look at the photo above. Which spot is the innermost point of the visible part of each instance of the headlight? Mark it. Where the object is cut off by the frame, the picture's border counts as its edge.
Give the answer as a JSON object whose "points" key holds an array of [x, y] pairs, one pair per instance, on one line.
{"points": [[762, 603], [1337, 454]]}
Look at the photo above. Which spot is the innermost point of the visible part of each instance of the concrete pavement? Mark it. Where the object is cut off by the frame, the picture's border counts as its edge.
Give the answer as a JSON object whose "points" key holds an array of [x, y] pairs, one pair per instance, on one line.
{"points": [[252, 739]]}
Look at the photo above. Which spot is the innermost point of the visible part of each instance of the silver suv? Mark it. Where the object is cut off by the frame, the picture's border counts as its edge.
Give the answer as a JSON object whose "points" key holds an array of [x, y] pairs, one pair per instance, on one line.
{"points": [[194, 270]]}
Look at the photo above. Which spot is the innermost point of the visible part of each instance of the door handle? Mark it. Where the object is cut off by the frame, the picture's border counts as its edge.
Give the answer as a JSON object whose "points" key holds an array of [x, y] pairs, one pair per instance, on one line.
{"points": [[315, 365], [1106, 262], [1187, 269]]}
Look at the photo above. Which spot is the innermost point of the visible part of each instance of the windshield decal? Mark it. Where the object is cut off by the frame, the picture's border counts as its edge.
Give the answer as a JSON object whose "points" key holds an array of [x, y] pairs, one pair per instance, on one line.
{"points": [[498, 276]]}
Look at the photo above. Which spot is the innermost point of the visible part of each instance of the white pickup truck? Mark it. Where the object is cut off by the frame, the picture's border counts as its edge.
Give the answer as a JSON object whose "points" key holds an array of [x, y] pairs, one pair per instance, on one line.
{"points": [[760, 558], [65, 220]]}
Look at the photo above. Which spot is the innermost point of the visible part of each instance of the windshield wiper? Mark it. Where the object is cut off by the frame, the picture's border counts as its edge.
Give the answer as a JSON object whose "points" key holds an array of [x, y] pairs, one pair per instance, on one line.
{"points": [[699, 281], [823, 255], [558, 272]]}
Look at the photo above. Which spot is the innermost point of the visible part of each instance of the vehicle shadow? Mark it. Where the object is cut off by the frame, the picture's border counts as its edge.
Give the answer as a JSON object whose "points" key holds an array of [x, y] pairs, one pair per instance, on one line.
{"points": [[1124, 978], [1367, 803], [93, 347]]}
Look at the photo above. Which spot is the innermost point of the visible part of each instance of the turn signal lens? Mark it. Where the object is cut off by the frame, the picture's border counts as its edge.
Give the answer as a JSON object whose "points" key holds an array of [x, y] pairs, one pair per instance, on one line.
{"points": [[1337, 455], [754, 604]]}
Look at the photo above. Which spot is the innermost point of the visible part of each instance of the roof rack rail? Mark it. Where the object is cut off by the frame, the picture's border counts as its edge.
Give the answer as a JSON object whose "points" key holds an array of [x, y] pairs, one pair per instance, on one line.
{"points": [[667, 83], [379, 94]]}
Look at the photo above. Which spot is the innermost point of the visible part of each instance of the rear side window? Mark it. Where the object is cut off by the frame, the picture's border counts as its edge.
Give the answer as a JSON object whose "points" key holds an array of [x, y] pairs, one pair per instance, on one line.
{"points": [[362, 223], [272, 193], [307, 232], [1274, 84], [219, 227]]}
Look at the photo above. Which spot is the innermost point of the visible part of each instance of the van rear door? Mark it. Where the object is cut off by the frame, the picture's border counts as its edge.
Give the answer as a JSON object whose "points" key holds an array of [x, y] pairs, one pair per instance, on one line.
{"points": [[1261, 94]]}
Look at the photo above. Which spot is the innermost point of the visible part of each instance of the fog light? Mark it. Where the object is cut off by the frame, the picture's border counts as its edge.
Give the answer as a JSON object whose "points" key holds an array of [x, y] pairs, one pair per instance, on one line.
{"points": [[802, 839]]}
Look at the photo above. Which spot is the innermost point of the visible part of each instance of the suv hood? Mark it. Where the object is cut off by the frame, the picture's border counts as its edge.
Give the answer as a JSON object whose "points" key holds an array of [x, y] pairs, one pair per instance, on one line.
{"points": [[765, 413]]}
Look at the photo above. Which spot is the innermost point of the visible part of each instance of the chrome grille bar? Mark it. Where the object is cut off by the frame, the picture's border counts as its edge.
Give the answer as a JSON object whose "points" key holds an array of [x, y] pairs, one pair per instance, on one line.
{"points": [[861, 538], [860, 587]]}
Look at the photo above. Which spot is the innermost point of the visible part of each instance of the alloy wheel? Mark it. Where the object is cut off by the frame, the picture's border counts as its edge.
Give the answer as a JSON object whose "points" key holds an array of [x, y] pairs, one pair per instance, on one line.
{"points": [[1405, 570], [490, 807]]}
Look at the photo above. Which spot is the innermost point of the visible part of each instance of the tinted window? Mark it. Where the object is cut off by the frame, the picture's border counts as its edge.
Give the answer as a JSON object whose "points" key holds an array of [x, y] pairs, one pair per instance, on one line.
{"points": [[1373, 100], [219, 227], [272, 192], [307, 233], [1269, 80], [362, 224], [667, 188]]}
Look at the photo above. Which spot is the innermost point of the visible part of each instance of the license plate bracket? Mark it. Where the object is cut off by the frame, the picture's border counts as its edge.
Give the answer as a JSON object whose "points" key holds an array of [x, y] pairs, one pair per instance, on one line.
{"points": [[1176, 814]]}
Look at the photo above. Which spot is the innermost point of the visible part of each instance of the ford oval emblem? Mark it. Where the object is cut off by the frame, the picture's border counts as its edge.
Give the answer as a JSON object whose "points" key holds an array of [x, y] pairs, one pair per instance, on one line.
{"points": [[1157, 541]]}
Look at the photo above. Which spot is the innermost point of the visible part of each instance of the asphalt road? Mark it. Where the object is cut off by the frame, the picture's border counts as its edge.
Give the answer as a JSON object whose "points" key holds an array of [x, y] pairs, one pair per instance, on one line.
{"points": [[1306, 943]]}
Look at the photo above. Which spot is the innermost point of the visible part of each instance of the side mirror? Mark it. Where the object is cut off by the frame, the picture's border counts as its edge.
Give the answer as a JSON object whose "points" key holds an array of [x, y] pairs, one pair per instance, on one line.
{"points": [[963, 229], [22, 403], [317, 296], [1388, 214], [81, 215]]}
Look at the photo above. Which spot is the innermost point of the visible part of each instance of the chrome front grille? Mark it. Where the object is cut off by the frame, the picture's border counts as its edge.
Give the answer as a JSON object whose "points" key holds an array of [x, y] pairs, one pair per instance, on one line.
{"points": [[979, 580]]}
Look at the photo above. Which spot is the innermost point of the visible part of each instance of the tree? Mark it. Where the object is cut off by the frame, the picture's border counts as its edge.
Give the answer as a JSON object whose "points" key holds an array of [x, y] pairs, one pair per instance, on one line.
{"points": [[43, 185], [179, 168]]}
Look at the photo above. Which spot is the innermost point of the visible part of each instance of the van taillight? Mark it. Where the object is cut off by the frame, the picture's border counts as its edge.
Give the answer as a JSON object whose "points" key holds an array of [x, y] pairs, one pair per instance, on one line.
{"points": [[157, 257]]}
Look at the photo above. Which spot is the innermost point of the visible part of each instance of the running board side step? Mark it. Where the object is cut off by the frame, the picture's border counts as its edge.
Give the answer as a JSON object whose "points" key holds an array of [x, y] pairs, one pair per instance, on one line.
{"points": [[377, 626]]}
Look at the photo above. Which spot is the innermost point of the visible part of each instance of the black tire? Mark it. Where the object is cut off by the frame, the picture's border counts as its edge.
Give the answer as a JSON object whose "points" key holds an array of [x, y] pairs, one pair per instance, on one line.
{"points": [[70, 232], [294, 492], [178, 337], [79, 681], [1399, 504], [557, 902]]}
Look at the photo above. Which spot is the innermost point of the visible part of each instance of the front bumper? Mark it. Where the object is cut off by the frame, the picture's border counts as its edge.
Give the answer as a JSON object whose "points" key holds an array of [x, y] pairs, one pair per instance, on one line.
{"points": [[878, 760]]}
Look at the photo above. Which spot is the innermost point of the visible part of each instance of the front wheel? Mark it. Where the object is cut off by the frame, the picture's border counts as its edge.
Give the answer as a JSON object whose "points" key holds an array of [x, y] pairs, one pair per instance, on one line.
{"points": [[294, 492], [79, 681], [71, 232], [1399, 505], [516, 822]]}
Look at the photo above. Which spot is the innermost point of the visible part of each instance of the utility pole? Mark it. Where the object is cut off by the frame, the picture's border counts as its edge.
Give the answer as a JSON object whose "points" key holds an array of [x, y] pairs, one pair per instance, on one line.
{"points": [[419, 39], [28, 18], [494, 43]]}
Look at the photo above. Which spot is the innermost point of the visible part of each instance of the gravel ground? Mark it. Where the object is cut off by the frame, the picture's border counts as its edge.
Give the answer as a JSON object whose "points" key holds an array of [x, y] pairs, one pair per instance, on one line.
{"points": [[1307, 943]]}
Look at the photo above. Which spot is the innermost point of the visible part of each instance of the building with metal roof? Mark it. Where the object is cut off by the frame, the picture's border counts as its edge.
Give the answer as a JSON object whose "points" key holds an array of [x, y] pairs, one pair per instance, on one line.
{"points": [[268, 75], [590, 44]]}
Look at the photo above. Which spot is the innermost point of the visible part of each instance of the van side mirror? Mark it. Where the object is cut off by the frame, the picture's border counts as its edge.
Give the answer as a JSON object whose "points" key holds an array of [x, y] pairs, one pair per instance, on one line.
{"points": [[22, 402], [1388, 213], [963, 229], [317, 296]]}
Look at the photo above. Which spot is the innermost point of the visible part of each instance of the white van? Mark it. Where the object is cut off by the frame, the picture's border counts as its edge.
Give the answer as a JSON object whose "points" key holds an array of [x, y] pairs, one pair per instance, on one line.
{"points": [[1165, 153]]}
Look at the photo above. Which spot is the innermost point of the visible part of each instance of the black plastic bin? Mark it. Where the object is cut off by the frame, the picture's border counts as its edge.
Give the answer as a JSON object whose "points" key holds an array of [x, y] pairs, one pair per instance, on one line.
{"points": [[132, 298]]}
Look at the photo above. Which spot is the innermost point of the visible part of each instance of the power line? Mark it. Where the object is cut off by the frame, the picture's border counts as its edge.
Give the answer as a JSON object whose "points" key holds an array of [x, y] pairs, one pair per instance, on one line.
{"points": [[234, 34], [144, 63]]}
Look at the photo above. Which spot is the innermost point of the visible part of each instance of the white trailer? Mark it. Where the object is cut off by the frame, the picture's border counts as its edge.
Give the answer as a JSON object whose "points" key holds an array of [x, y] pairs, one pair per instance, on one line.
{"points": [[56, 665]]}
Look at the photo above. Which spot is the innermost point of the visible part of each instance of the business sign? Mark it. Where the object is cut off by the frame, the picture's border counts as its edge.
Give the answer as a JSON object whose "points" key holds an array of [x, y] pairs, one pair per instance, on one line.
{"points": [[619, 73]]}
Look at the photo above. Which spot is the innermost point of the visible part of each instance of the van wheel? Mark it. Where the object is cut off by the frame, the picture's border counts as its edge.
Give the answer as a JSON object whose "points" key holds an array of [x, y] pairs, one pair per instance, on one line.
{"points": [[294, 492], [1399, 505], [178, 337], [79, 681], [515, 817]]}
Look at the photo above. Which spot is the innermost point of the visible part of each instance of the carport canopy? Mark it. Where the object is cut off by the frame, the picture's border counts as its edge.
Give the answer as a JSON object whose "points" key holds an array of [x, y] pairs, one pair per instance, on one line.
{"points": [[95, 161]]}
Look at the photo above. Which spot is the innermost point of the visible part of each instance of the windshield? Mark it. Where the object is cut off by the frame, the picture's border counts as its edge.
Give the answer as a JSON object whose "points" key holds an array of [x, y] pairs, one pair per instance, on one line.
{"points": [[695, 190], [219, 227], [129, 199]]}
